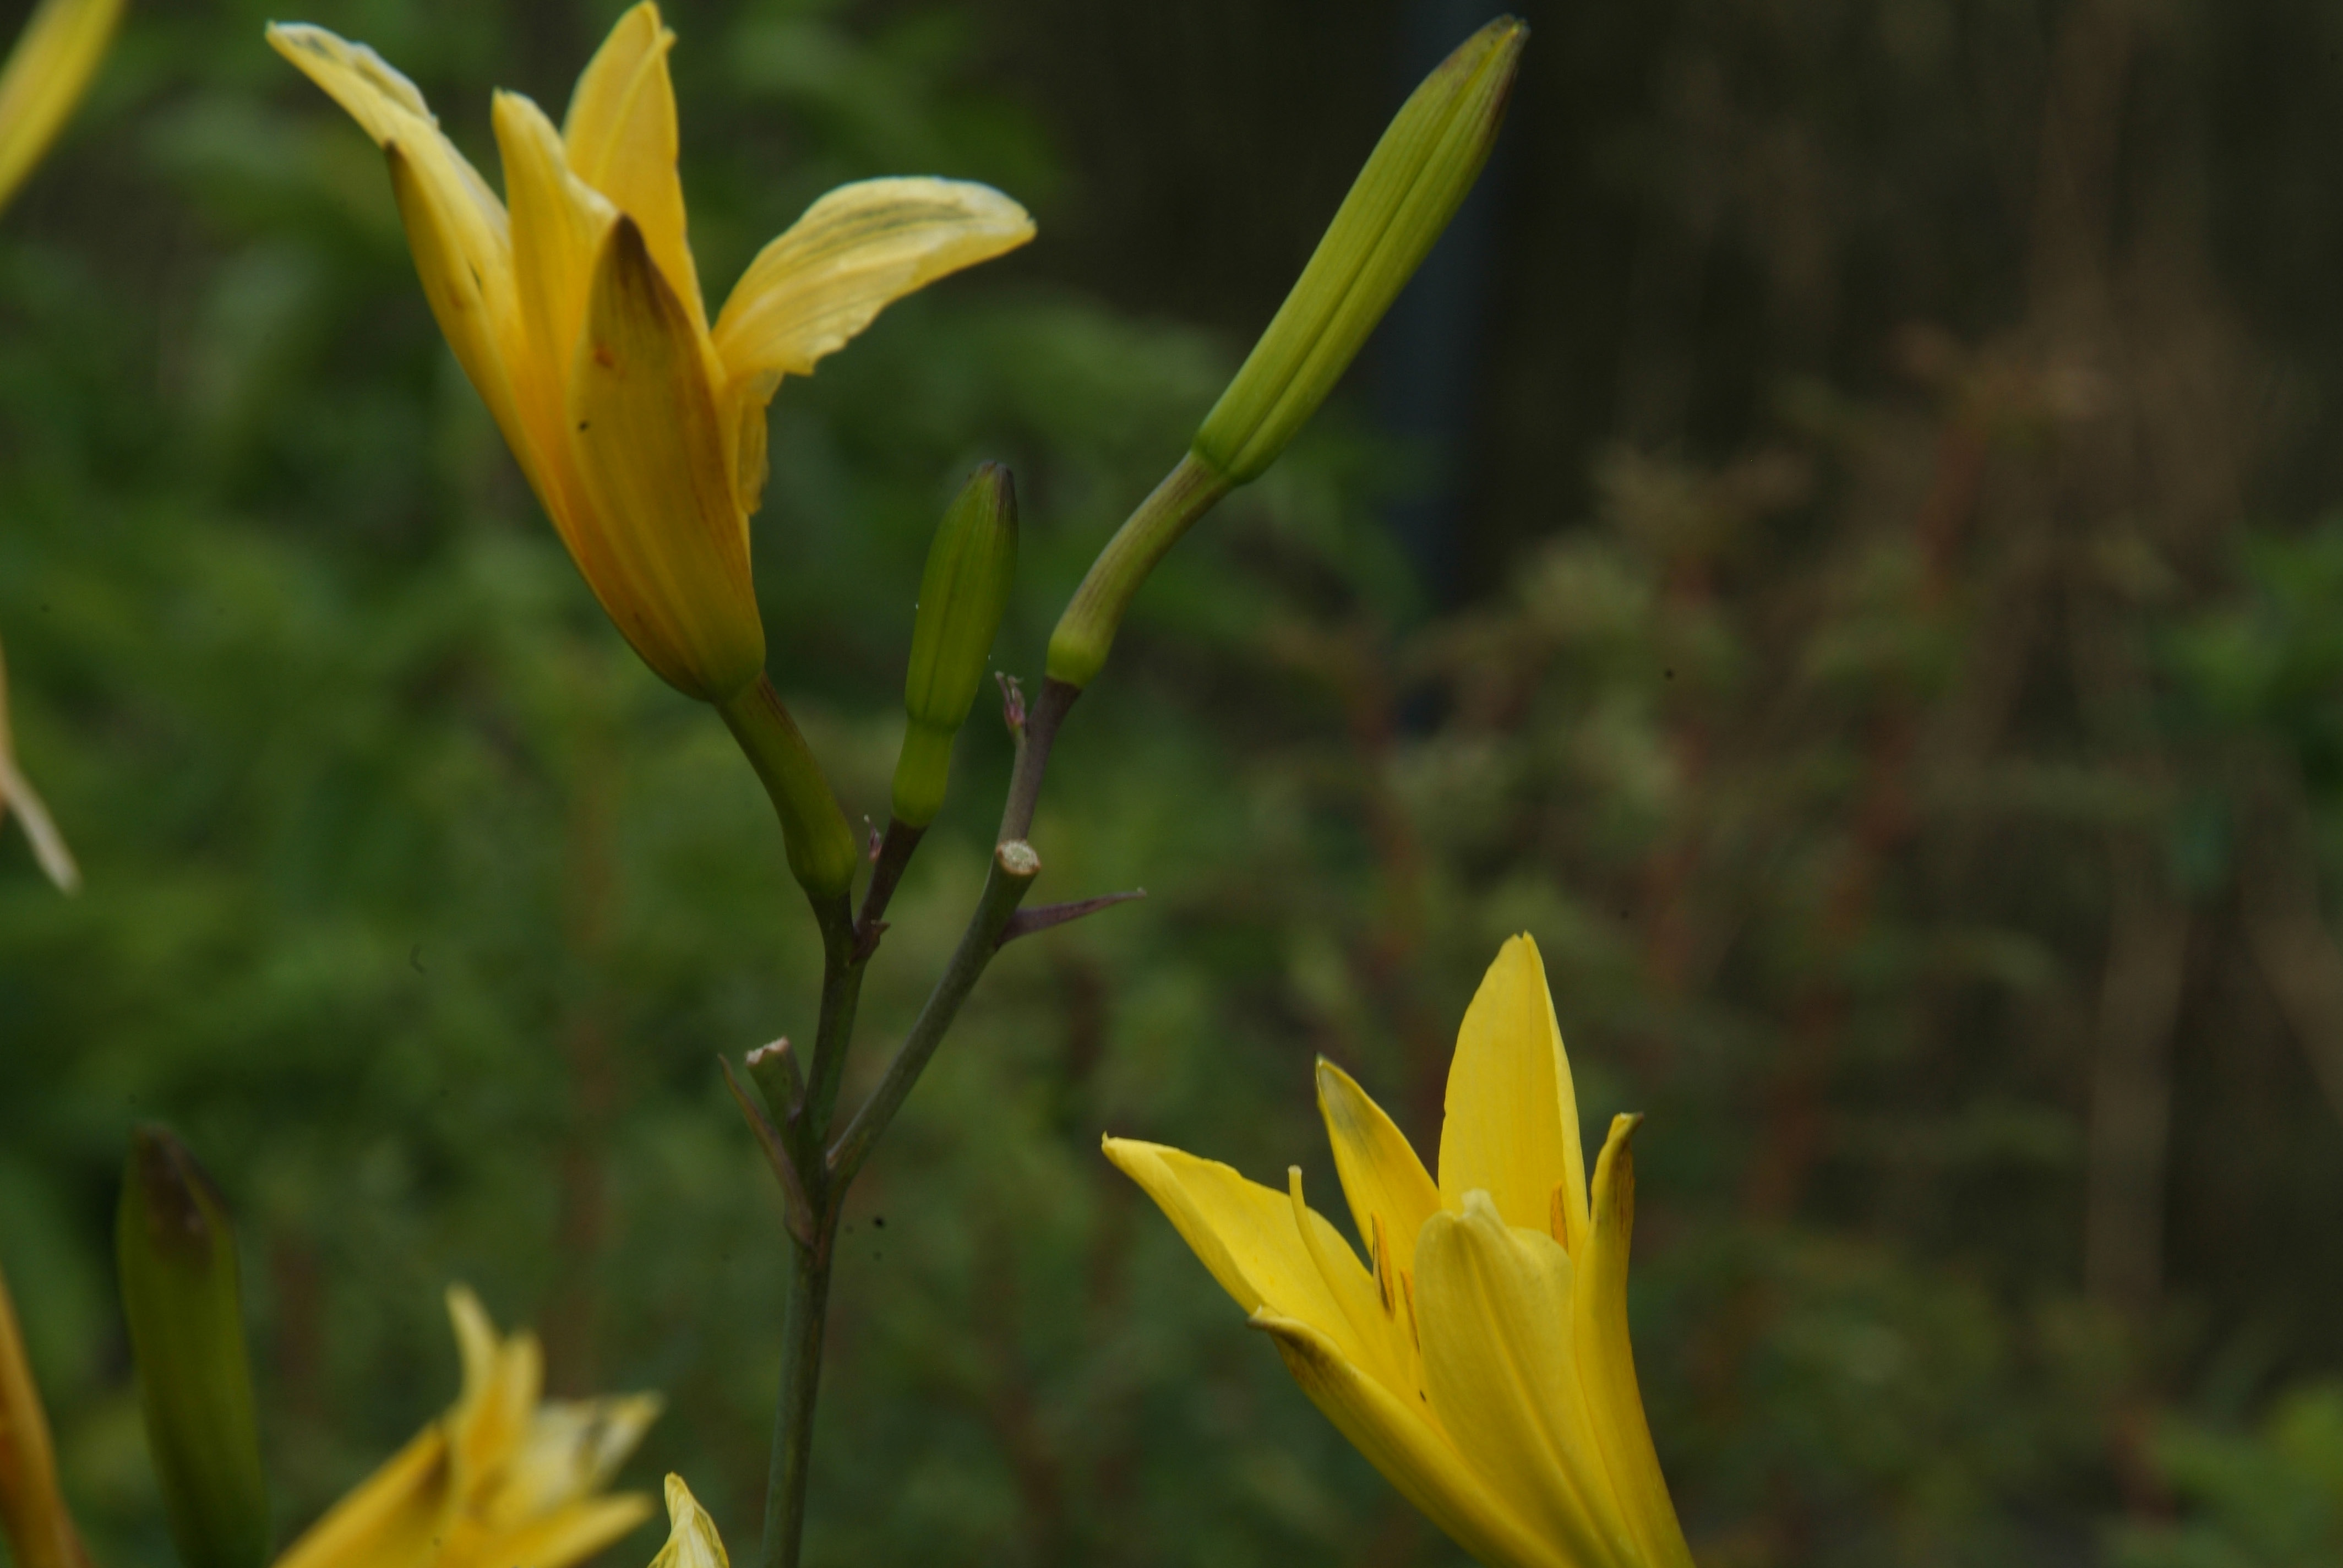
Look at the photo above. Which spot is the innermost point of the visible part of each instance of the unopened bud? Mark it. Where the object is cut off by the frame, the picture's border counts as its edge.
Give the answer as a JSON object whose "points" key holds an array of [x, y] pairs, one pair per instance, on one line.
{"points": [[1397, 207], [1401, 200], [177, 1253], [962, 595]]}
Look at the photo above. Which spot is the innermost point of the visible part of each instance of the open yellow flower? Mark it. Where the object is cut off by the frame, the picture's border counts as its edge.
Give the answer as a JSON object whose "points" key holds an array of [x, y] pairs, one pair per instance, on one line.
{"points": [[47, 71], [1480, 1358], [578, 315], [501, 1481]]}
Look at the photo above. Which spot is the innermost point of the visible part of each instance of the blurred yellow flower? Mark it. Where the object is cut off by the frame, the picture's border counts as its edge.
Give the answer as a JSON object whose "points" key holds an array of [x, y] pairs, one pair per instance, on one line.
{"points": [[579, 317], [1480, 1359], [501, 1481], [45, 76]]}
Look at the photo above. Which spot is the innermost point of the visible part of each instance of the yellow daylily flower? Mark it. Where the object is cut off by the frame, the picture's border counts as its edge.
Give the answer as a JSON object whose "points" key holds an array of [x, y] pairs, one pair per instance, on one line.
{"points": [[578, 315], [501, 1481], [1480, 1358], [46, 72]]}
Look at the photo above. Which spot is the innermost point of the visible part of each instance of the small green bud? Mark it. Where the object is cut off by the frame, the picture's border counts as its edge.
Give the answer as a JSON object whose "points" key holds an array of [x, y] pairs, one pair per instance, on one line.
{"points": [[1397, 207], [177, 1253], [962, 595]]}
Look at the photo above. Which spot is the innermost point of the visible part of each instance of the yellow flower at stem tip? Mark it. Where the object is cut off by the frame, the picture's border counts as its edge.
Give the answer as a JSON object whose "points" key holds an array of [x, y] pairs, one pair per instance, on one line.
{"points": [[1480, 1358], [501, 1481], [576, 310]]}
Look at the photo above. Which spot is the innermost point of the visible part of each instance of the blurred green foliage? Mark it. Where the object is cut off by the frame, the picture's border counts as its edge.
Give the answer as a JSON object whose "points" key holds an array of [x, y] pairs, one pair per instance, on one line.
{"points": [[2271, 1498], [1927, 787]]}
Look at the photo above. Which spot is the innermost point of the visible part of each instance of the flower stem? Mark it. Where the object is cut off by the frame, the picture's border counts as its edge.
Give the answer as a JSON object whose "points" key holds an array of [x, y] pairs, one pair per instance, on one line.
{"points": [[843, 961], [1034, 738], [1078, 648], [1014, 867], [820, 847], [846, 945], [804, 1315], [894, 854], [805, 1310]]}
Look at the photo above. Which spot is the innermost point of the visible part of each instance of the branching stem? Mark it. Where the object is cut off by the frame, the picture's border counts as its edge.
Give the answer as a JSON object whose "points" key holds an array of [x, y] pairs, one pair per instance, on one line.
{"points": [[1014, 867]]}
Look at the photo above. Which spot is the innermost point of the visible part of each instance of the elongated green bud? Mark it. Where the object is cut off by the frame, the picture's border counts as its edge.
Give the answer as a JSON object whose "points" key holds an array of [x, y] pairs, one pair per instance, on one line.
{"points": [[962, 595], [1399, 205], [176, 1252], [1401, 200]]}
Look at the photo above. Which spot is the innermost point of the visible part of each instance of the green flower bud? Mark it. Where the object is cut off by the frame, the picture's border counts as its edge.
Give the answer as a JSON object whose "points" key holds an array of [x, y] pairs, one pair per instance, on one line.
{"points": [[1403, 199], [962, 595], [176, 1252], [1399, 205]]}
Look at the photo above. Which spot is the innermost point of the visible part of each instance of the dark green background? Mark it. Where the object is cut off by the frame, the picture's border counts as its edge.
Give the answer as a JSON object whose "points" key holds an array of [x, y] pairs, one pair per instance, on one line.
{"points": [[1840, 550]]}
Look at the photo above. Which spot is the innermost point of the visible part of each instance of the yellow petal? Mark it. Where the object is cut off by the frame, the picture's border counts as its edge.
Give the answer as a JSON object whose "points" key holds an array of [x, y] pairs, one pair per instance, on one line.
{"points": [[558, 224], [621, 135], [1512, 1126], [1408, 1450], [568, 1534], [1381, 1175], [475, 1342], [855, 252], [644, 435], [570, 1450], [16, 791], [502, 1379], [471, 297], [1608, 1362], [456, 227], [393, 1519], [1246, 1234], [390, 108], [1499, 1367], [34, 1517], [691, 1540], [1379, 1321], [51, 62]]}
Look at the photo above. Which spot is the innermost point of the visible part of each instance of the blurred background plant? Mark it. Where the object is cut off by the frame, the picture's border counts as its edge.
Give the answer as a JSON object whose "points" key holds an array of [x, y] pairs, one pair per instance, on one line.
{"points": [[1836, 545]]}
